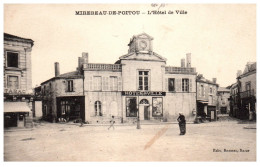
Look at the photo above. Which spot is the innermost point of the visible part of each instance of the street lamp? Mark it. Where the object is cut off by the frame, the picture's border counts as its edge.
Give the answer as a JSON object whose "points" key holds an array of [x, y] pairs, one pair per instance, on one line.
{"points": [[138, 121]]}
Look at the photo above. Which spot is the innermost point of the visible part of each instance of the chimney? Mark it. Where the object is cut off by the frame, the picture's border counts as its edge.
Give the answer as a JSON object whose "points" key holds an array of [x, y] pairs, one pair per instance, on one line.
{"points": [[57, 69], [239, 72], [188, 59], [85, 57], [182, 62], [80, 63], [214, 80]]}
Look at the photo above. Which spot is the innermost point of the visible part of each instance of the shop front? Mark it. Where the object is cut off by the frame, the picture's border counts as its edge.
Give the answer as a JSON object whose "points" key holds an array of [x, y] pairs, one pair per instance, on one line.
{"points": [[16, 114], [71, 108], [145, 105]]}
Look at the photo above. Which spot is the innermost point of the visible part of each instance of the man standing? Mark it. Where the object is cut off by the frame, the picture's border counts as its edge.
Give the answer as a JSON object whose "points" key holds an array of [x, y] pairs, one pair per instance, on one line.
{"points": [[112, 122], [182, 124]]}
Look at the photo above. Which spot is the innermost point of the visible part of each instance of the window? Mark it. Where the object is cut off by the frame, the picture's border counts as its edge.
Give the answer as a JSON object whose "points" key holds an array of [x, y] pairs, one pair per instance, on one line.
{"points": [[12, 59], [131, 107], [248, 86], [202, 90], [13, 82], [70, 86], [185, 85], [171, 83], [65, 107], [98, 111], [210, 90], [113, 84], [210, 99], [143, 80], [97, 83], [157, 110]]}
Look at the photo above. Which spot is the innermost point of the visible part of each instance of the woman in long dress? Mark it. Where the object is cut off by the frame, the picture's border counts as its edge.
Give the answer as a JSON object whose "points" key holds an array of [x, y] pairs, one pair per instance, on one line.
{"points": [[182, 124]]}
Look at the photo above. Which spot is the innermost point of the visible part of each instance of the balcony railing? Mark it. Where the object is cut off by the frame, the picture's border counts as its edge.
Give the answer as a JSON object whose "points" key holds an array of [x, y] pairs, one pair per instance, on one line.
{"points": [[180, 70], [103, 67], [248, 93]]}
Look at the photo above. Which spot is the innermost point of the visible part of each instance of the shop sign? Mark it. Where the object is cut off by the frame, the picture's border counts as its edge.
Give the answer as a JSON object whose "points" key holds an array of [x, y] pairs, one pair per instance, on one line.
{"points": [[143, 93], [15, 91]]}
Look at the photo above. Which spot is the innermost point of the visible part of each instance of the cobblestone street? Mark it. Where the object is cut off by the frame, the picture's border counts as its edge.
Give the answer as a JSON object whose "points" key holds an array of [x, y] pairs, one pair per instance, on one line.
{"points": [[68, 142]]}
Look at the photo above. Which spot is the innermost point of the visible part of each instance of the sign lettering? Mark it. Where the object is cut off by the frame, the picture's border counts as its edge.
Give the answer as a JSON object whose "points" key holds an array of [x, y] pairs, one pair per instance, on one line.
{"points": [[143, 93]]}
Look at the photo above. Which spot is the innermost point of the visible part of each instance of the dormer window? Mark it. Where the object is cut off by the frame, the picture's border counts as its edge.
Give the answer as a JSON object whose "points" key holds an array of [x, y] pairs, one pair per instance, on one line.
{"points": [[12, 59]]}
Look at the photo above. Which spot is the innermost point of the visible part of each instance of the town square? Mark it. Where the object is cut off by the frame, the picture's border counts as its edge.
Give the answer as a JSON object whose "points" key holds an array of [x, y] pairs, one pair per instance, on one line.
{"points": [[94, 87]]}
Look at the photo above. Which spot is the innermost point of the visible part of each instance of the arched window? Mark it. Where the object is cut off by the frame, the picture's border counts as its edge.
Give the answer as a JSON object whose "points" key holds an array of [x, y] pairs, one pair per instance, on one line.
{"points": [[98, 110]]}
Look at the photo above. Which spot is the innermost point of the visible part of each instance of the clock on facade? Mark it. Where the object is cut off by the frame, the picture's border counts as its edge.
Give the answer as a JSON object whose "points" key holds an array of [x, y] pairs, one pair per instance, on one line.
{"points": [[143, 44]]}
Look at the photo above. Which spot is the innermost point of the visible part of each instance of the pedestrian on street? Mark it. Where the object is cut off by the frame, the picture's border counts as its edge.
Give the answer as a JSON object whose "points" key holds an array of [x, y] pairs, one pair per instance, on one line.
{"points": [[112, 122], [182, 124]]}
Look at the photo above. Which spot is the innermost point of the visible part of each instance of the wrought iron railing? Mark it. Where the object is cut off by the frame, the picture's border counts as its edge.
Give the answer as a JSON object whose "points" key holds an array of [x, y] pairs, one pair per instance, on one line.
{"points": [[179, 70], [248, 93], [103, 67]]}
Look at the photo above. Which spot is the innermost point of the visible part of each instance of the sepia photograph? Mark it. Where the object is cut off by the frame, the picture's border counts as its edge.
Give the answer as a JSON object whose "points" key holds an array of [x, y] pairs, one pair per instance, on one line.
{"points": [[129, 82]]}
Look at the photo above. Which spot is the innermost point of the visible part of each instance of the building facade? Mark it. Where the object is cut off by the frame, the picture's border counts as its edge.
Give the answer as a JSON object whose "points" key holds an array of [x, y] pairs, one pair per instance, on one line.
{"points": [[223, 94], [207, 97], [17, 79], [139, 84], [243, 93]]}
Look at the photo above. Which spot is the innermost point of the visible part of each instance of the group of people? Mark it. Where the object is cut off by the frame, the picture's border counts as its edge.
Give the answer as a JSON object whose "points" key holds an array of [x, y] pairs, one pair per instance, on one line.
{"points": [[181, 120]]}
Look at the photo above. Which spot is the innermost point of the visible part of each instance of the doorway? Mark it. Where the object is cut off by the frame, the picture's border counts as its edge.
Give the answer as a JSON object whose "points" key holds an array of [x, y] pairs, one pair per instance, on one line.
{"points": [[144, 109], [146, 113]]}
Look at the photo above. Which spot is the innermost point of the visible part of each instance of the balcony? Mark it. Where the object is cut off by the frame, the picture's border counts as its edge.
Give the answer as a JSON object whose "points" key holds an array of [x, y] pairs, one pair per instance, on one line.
{"points": [[248, 93], [179, 70], [103, 67]]}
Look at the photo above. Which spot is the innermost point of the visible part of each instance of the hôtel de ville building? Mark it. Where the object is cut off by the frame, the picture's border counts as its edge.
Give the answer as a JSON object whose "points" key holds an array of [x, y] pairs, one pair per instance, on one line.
{"points": [[140, 82]]}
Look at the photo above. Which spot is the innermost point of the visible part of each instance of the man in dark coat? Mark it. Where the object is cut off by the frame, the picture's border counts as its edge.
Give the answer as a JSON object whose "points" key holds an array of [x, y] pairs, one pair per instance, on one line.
{"points": [[182, 124]]}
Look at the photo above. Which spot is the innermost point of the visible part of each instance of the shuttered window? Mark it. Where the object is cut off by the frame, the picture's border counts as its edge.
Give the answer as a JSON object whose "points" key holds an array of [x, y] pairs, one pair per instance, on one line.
{"points": [[113, 84], [97, 83], [13, 82], [171, 84], [185, 85]]}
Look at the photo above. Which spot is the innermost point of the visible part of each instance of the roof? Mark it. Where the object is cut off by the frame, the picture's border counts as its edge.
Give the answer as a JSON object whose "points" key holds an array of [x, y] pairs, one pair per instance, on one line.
{"points": [[206, 81], [68, 75], [143, 56], [222, 89], [9, 37], [16, 107], [249, 69]]}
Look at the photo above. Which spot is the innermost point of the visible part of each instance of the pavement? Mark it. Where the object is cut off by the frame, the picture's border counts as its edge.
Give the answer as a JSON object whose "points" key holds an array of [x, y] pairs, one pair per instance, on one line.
{"points": [[212, 141]]}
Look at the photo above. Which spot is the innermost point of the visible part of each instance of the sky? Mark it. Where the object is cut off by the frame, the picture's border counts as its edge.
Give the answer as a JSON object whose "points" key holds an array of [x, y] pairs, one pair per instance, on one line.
{"points": [[220, 37]]}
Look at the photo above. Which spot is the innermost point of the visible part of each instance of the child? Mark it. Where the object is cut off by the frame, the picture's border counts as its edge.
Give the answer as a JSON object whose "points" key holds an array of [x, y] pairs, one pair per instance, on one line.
{"points": [[112, 122]]}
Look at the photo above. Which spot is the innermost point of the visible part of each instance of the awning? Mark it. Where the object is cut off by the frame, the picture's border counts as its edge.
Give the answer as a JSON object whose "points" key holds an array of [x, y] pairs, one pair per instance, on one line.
{"points": [[204, 102], [16, 107]]}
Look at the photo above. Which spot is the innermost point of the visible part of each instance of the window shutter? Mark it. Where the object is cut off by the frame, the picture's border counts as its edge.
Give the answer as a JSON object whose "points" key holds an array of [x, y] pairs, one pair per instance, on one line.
{"points": [[166, 84], [72, 85], [190, 84], [178, 85], [119, 84], [86, 83], [103, 83], [90, 83], [111, 83], [66, 86]]}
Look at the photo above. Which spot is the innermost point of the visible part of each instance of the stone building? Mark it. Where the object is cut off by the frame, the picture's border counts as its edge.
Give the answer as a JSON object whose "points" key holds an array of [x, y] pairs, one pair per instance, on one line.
{"points": [[17, 81], [139, 84], [207, 97], [223, 103], [243, 93]]}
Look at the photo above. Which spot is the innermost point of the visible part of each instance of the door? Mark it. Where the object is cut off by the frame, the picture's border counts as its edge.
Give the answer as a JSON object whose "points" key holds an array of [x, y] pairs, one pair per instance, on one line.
{"points": [[146, 113], [20, 120]]}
